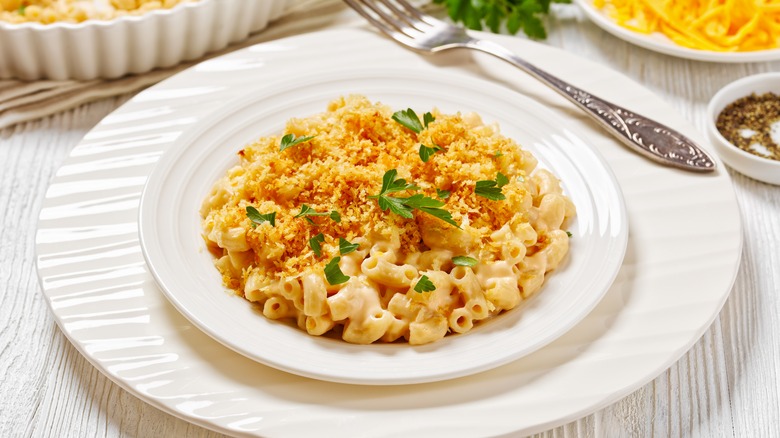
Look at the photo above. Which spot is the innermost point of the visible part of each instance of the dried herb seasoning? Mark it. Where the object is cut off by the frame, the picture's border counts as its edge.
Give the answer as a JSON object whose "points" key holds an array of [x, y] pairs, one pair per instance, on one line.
{"points": [[747, 123]]}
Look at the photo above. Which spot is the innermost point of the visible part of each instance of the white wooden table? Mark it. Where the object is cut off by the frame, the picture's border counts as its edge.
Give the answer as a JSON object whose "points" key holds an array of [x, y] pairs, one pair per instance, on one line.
{"points": [[727, 385]]}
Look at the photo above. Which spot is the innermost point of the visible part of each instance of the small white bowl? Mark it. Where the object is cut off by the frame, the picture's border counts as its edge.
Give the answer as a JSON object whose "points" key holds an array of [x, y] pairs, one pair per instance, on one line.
{"points": [[130, 44], [762, 169]]}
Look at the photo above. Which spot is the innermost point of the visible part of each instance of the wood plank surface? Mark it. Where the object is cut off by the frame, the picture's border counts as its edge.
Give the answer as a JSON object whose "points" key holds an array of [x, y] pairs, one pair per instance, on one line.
{"points": [[728, 385]]}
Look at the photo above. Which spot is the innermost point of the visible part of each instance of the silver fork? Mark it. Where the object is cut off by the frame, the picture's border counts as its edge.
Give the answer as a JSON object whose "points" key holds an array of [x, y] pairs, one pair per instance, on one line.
{"points": [[424, 33]]}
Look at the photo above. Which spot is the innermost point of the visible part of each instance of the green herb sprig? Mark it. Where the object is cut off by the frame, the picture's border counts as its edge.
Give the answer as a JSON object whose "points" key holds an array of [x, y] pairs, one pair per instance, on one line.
{"points": [[442, 194], [518, 15], [316, 244], [464, 261], [258, 218], [333, 274], [491, 189], [307, 211], [426, 152], [404, 206], [289, 141], [424, 284], [346, 247], [409, 119]]}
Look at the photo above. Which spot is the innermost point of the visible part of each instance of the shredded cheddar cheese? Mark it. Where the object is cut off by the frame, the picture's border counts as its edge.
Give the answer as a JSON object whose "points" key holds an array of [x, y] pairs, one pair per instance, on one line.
{"points": [[715, 25]]}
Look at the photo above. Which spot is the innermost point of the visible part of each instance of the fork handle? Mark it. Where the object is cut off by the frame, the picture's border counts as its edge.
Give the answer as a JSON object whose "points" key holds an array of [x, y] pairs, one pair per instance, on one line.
{"points": [[646, 136]]}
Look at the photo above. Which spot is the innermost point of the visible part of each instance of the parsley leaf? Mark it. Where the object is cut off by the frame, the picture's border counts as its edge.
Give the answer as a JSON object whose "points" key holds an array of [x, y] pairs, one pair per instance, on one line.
{"points": [[21, 9], [396, 205], [404, 206], [289, 141], [431, 206], [307, 211], [498, 154], [346, 247], [492, 189], [518, 15], [442, 194], [392, 185], [315, 243], [568, 233], [464, 261], [333, 273], [258, 218], [501, 180], [409, 119], [428, 118], [424, 285], [426, 152]]}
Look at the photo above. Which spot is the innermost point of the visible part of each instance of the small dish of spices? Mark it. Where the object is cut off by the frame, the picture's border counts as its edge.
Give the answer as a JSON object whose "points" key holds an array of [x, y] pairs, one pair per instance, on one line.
{"points": [[744, 126]]}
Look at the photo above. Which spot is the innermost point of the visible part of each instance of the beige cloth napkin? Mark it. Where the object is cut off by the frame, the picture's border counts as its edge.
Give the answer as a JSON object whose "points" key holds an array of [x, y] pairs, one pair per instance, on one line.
{"points": [[22, 101]]}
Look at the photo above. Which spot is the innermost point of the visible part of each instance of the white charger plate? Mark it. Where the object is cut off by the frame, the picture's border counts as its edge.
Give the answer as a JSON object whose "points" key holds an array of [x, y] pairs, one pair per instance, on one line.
{"points": [[176, 254], [682, 256], [659, 42]]}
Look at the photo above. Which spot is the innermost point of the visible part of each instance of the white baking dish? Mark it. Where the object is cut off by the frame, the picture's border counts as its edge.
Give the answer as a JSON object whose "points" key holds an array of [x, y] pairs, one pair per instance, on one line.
{"points": [[130, 44]]}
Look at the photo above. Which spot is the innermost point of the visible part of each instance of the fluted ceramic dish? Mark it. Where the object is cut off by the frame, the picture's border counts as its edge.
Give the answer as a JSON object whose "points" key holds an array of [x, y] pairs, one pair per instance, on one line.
{"points": [[682, 257], [660, 43], [178, 258], [130, 44]]}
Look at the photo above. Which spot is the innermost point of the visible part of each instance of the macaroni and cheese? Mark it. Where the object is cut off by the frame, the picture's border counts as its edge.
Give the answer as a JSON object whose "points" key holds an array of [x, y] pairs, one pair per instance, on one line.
{"points": [[344, 225]]}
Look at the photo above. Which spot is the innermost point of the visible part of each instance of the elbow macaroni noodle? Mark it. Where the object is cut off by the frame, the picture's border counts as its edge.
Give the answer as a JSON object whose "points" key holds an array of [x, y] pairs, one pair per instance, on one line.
{"points": [[516, 241]]}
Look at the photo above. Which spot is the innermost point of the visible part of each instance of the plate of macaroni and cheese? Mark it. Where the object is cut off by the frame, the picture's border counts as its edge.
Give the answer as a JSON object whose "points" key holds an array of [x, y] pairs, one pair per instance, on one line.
{"points": [[339, 228], [198, 350]]}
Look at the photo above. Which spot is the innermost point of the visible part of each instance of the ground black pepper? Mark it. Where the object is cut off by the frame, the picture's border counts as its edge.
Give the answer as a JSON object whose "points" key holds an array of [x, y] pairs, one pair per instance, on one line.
{"points": [[748, 121]]}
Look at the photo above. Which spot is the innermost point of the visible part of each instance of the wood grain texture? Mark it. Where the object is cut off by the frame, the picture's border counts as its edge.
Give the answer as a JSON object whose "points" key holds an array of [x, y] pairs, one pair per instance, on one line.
{"points": [[727, 385]]}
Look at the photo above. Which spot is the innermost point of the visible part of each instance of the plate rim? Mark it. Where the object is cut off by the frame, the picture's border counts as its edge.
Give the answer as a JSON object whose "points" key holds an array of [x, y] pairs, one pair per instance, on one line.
{"points": [[167, 163]]}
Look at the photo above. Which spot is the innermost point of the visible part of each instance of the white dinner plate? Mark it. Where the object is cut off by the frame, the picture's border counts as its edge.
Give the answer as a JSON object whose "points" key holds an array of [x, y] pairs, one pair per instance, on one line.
{"points": [[175, 253], [681, 260], [659, 42]]}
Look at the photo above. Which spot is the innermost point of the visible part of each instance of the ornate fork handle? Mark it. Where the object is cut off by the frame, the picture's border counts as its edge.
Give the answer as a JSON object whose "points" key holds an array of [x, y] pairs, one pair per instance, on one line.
{"points": [[652, 139]]}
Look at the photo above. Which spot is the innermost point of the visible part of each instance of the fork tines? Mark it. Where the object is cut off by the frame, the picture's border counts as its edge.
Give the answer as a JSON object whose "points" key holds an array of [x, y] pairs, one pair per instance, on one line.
{"points": [[396, 18]]}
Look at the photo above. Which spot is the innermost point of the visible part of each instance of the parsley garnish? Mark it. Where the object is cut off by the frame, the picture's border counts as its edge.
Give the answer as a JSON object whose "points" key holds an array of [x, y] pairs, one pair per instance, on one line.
{"points": [[464, 261], [428, 118], [442, 194], [258, 218], [492, 189], [315, 243], [424, 285], [307, 211], [333, 273], [518, 14], [409, 119], [498, 154], [289, 141], [426, 152], [21, 9], [346, 247], [568, 233], [404, 206]]}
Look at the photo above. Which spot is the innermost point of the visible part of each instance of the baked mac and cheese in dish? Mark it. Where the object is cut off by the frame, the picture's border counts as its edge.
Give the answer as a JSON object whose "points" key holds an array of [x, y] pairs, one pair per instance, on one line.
{"points": [[76, 11], [383, 226]]}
